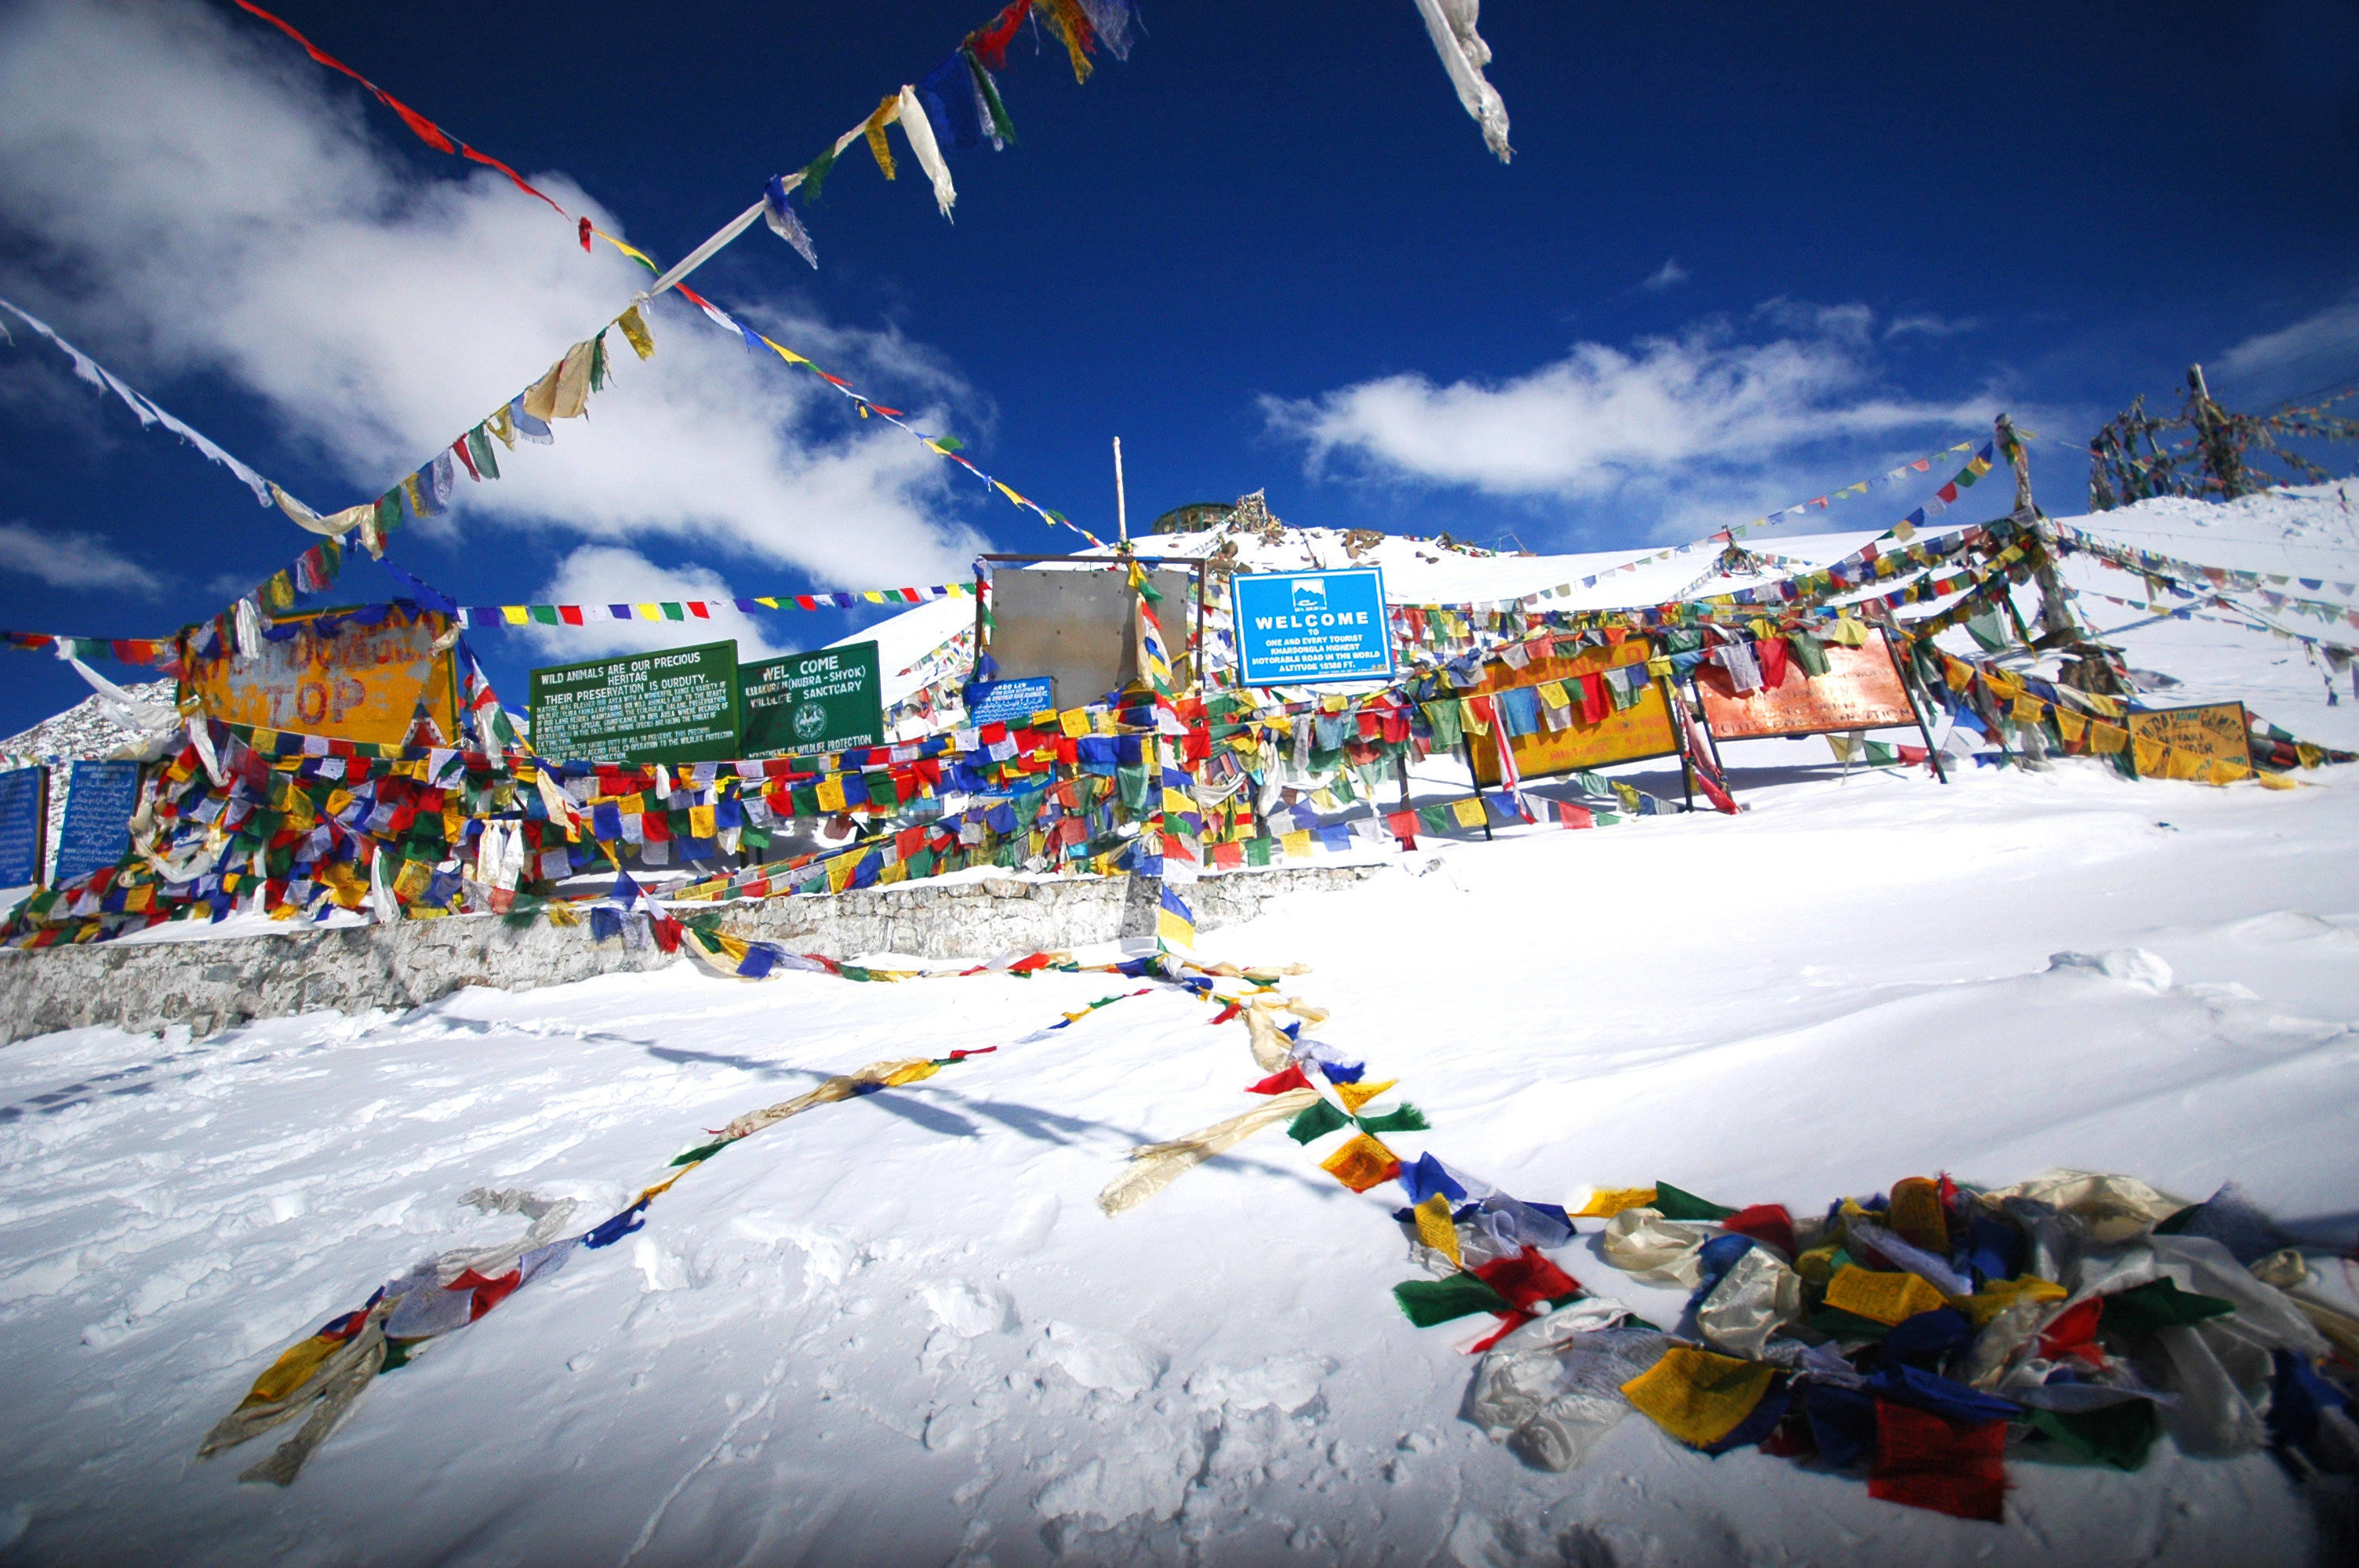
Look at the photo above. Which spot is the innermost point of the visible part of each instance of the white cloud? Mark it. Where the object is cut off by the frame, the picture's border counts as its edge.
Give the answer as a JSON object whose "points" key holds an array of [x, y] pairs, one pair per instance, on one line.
{"points": [[72, 561], [1930, 326], [598, 575], [1668, 276], [1704, 412], [221, 206], [2320, 346]]}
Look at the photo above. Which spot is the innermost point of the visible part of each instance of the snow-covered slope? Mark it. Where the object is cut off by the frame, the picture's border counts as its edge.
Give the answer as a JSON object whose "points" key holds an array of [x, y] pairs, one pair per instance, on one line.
{"points": [[898, 1330]]}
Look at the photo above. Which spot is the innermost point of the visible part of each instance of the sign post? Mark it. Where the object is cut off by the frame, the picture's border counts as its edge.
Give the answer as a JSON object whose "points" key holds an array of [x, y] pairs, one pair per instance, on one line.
{"points": [[828, 700], [2216, 731], [677, 705], [1311, 628]]}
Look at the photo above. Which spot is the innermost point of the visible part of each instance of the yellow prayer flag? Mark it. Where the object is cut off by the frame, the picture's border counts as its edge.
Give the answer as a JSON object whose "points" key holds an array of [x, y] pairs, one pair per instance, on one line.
{"points": [[1295, 844], [1362, 1164], [1698, 1396], [1468, 812], [700, 824], [2275, 780], [649, 611], [2071, 725], [910, 1074], [2179, 764], [2109, 739], [1605, 1203], [1880, 1297], [1074, 721], [2029, 709], [515, 614], [1552, 692], [1355, 1096], [1475, 724], [1435, 1229], [1999, 1294], [839, 872], [830, 793]]}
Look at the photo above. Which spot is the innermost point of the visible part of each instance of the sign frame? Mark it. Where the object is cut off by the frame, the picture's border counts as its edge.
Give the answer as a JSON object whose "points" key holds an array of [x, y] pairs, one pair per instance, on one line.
{"points": [[69, 817], [231, 688], [2244, 729], [1706, 695], [1262, 665], [1482, 751], [980, 710], [41, 846], [864, 657], [715, 751]]}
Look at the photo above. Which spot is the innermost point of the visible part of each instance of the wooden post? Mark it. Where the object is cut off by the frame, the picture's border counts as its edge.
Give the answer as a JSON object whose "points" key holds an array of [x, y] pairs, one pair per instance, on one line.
{"points": [[2055, 612], [1920, 702]]}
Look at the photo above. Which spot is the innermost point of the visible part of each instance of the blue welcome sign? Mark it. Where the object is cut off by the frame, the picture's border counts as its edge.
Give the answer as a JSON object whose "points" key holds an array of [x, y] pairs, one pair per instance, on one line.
{"points": [[1311, 628]]}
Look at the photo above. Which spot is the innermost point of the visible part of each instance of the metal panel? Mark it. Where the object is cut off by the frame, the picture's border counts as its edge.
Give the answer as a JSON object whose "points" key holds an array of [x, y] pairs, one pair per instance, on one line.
{"points": [[1076, 628]]}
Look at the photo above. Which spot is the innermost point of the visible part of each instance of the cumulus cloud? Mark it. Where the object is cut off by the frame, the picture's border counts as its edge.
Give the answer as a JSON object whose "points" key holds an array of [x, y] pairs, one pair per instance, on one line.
{"points": [[72, 561], [1707, 405], [195, 198], [1670, 274]]}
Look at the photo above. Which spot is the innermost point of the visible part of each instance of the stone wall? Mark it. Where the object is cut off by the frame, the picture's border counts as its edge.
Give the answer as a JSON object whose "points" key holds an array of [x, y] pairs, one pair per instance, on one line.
{"points": [[210, 985]]}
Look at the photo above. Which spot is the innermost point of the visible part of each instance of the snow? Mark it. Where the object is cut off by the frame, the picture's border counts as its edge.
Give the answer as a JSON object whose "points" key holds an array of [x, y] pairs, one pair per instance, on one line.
{"points": [[898, 1329]]}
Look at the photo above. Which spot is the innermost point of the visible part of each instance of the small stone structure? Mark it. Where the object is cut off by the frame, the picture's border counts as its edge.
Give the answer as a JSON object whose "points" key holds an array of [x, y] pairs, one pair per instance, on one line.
{"points": [[210, 985]]}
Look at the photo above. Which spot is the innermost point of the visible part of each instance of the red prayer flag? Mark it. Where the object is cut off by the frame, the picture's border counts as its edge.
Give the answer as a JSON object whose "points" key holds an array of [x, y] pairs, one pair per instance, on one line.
{"points": [[1931, 1462], [569, 614], [1527, 1279], [1278, 1083], [467, 459], [699, 609], [428, 131], [1766, 1222]]}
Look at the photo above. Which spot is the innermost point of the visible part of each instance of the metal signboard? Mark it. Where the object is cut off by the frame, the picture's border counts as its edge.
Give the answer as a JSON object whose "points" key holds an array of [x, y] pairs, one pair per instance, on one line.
{"points": [[1079, 627], [1311, 628], [1631, 734], [23, 826], [676, 705], [2217, 732], [335, 675], [826, 700], [1010, 701], [96, 832], [1863, 690]]}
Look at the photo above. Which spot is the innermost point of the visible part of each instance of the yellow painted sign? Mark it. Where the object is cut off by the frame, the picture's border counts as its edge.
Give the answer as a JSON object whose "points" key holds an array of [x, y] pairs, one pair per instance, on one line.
{"points": [[2216, 732], [1626, 735], [350, 682]]}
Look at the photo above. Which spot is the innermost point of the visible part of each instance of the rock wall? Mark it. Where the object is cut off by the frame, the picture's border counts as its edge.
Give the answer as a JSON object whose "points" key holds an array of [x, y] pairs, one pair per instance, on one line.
{"points": [[210, 985]]}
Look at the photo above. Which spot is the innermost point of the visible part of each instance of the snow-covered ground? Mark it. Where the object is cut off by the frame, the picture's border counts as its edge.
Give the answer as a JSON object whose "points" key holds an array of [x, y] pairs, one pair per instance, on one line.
{"points": [[898, 1329]]}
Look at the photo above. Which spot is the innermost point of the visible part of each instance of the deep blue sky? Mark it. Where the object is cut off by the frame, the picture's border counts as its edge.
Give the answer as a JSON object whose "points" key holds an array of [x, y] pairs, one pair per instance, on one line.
{"points": [[2069, 204]]}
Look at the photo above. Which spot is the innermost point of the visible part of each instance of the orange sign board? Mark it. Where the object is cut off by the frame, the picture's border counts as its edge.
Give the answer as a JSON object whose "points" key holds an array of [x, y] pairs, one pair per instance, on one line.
{"points": [[1861, 690], [2217, 732], [350, 683], [1627, 735]]}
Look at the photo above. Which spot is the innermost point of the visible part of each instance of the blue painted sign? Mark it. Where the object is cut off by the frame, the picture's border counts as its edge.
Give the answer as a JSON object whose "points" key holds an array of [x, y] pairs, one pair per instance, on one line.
{"points": [[1007, 701], [1311, 628], [96, 833], [24, 825]]}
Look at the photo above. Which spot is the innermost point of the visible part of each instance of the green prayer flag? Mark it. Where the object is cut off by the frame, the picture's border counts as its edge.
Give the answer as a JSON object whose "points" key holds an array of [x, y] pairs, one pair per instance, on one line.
{"points": [[1316, 1123], [2120, 1435], [478, 447], [1837, 1323], [1408, 1118], [815, 174], [1673, 1203], [546, 614], [1429, 1302], [672, 611], [2158, 1303], [704, 1152]]}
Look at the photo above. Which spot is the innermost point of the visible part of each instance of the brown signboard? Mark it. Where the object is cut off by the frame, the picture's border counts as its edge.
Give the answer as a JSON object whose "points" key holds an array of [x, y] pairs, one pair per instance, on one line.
{"points": [[1628, 735], [2217, 732], [1861, 690], [350, 683]]}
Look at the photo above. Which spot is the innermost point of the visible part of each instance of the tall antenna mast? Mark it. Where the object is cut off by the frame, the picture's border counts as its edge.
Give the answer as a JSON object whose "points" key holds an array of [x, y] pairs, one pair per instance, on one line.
{"points": [[1121, 506]]}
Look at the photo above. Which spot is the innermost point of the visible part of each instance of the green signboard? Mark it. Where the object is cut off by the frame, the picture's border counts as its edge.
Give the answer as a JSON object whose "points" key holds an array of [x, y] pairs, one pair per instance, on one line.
{"points": [[677, 705], [827, 701]]}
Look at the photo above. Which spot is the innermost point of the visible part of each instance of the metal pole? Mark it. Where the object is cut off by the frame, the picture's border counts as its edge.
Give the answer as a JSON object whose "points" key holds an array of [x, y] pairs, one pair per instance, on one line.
{"points": [[1121, 505], [1916, 695]]}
